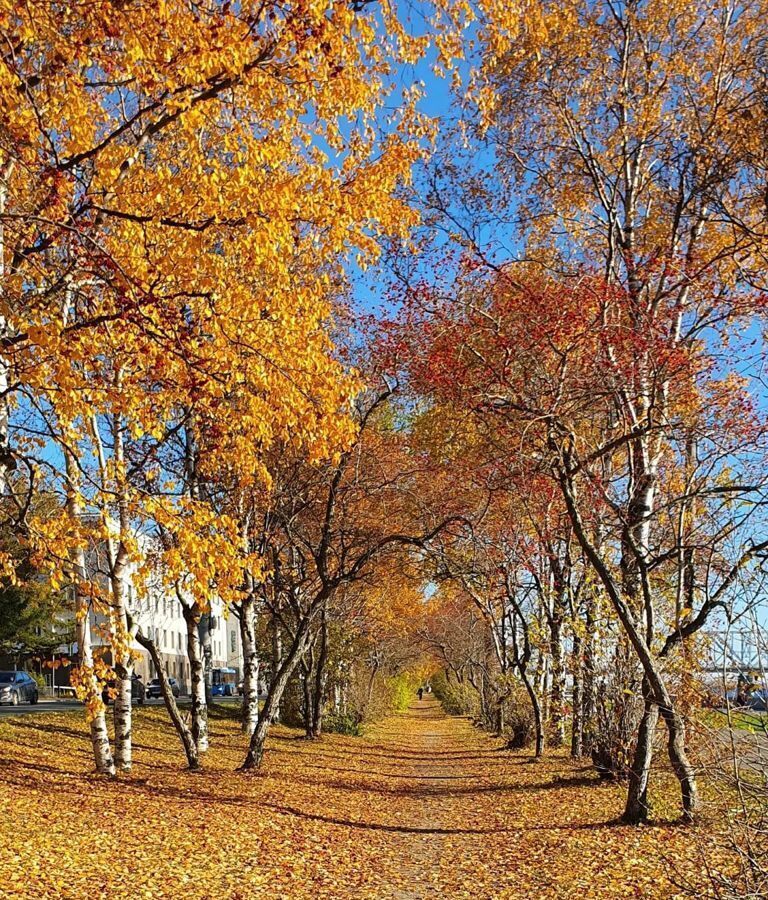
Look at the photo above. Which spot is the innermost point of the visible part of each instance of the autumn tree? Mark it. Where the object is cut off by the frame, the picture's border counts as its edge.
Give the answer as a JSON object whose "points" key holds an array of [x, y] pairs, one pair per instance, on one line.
{"points": [[179, 193], [551, 368], [333, 524]]}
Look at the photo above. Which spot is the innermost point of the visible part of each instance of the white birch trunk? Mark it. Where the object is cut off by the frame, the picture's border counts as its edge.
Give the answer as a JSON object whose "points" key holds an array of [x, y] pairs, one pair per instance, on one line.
{"points": [[250, 665], [197, 680], [102, 752], [122, 630], [6, 459]]}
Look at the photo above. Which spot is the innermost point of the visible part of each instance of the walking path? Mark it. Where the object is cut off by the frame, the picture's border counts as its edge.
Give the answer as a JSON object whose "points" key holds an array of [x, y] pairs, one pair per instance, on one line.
{"points": [[424, 806], [445, 811]]}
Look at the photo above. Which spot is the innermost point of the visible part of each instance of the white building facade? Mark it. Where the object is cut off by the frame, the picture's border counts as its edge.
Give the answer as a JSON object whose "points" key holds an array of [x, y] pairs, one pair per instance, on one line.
{"points": [[160, 617]]}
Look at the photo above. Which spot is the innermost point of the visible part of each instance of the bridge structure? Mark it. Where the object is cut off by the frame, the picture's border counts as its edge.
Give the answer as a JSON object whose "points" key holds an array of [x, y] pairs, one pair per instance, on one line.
{"points": [[737, 650]]}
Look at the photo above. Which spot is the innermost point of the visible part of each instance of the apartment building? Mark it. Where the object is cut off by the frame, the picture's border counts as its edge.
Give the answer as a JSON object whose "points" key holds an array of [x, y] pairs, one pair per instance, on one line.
{"points": [[159, 615]]}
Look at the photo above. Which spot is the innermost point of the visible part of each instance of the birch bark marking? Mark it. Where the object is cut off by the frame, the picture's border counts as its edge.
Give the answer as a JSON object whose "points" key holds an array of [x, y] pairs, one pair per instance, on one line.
{"points": [[6, 457], [250, 664], [196, 677], [97, 722], [121, 617]]}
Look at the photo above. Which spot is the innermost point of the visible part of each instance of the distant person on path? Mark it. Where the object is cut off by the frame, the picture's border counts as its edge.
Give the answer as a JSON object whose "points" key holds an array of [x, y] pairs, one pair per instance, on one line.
{"points": [[741, 690], [420, 693]]}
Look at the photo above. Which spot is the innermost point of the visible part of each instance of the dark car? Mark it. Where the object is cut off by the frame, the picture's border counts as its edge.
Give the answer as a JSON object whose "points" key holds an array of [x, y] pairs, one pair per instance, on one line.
{"points": [[154, 689], [17, 687], [138, 692], [758, 700]]}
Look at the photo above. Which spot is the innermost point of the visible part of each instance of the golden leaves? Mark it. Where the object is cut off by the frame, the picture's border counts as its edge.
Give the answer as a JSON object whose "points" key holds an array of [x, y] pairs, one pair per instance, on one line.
{"points": [[422, 805]]}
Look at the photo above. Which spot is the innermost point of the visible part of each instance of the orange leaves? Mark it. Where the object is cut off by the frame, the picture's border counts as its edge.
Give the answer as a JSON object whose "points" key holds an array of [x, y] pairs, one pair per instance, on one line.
{"points": [[186, 189], [422, 805]]}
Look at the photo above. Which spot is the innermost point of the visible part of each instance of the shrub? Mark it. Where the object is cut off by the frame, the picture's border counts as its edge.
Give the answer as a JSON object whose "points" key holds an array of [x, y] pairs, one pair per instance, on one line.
{"points": [[402, 688], [618, 709], [519, 727], [343, 723], [457, 699]]}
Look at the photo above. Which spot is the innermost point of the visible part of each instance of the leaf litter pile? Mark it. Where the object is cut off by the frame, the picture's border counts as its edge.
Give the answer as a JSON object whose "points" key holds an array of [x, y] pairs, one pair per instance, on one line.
{"points": [[423, 806]]}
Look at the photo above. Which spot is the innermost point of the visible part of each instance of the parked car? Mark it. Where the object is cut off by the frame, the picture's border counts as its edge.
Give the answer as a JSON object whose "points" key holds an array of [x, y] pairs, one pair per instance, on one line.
{"points": [[18, 687], [154, 689], [138, 691], [758, 700]]}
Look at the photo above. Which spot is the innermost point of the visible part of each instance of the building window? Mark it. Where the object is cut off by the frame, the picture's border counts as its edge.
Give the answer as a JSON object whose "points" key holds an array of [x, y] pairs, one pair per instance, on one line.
{"points": [[233, 640]]}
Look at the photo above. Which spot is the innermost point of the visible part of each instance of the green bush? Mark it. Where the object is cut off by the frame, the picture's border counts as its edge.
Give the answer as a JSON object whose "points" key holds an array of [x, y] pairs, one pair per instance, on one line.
{"points": [[457, 699], [402, 690], [343, 723]]}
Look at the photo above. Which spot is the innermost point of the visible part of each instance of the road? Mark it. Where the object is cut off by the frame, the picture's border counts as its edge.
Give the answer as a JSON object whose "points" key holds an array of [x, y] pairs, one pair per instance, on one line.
{"points": [[59, 706]]}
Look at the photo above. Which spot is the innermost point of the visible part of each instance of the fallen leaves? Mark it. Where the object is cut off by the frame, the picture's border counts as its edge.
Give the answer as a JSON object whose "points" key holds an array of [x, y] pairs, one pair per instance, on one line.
{"points": [[423, 806]]}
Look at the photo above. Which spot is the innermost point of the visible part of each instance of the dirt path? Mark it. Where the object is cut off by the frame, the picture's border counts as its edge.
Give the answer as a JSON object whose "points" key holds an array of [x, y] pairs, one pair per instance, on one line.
{"points": [[444, 811], [424, 806]]}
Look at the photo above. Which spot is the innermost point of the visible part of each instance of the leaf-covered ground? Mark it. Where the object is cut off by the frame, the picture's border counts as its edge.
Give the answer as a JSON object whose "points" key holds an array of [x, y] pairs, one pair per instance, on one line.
{"points": [[424, 806]]}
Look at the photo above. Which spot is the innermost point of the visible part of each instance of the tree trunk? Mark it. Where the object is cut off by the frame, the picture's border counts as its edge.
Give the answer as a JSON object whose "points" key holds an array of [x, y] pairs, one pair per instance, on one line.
{"points": [[7, 462], [206, 643], [538, 719], [277, 661], [577, 722], [197, 679], [307, 666], [123, 664], [88, 682], [371, 683], [557, 695], [319, 686], [185, 734], [637, 808], [588, 708], [276, 690], [250, 710], [123, 718], [640, 639], [122, 628], [680, 763]]}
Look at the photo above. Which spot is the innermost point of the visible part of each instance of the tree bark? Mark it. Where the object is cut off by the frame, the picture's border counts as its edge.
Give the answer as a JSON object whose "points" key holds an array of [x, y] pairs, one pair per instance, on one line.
{"points": [[680, 764], [557, 694], [197, 679], [307, 667], [185, 734], [637, 808], [123, 664], [652, 672], [123, 714], [277, 687], [320, 675], [538, 719], [588, 692], [577, 700], [7, 462], [250, 711], [89, 684], [122, 628], [277, 661], [206, 642], [371, 684]]}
